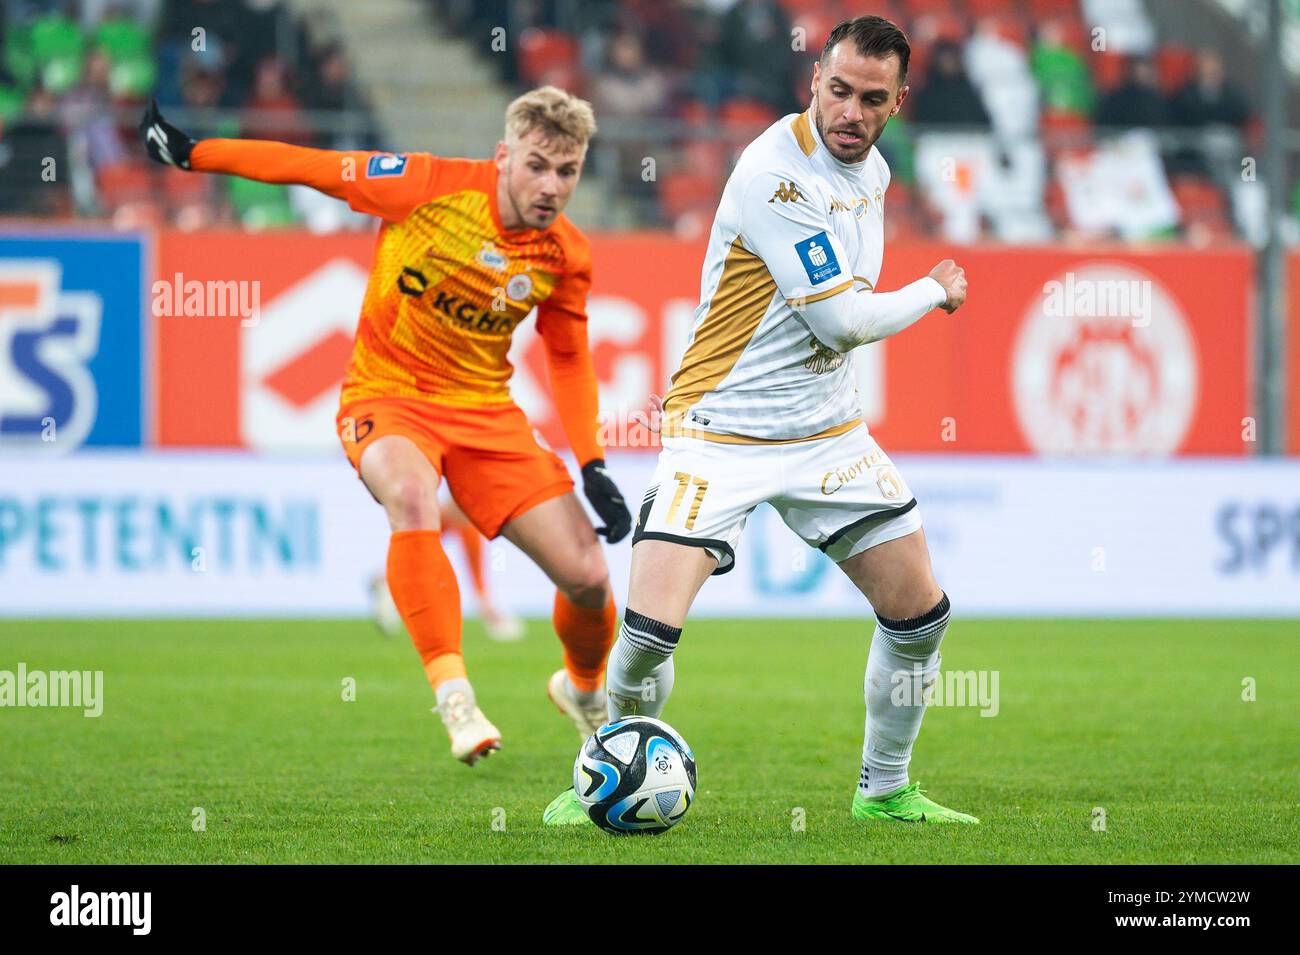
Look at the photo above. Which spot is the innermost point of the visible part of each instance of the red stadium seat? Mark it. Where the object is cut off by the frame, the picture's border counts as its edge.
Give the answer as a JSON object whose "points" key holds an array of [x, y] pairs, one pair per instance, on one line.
{"points": [[1057, 208], [1040, 9], [125, 183], [797, 8], [689, 191], [1174, 66], [705, 152], [1075, 35], [817, 26], [183, 187], [1198, 196], [1014, 29], [696, 112], [918, 8], [1108, 70], [946, 25], [1204, 210], [742, 114], [544, 52], [988, 8], [1062, 130]]}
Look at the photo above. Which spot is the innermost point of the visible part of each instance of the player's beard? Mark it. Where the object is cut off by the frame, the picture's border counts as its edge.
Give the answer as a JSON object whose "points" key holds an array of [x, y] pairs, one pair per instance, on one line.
{"points": [[858, 154]]}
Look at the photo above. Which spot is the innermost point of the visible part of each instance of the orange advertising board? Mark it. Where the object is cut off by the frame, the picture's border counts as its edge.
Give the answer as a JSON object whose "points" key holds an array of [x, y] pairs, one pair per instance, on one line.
{"points": [[1056, 351]]}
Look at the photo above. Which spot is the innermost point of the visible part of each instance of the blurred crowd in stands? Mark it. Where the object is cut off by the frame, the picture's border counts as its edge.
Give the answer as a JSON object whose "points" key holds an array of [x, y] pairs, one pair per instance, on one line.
{"points": [[1028, 120], [1025, 122], [75, 75]]}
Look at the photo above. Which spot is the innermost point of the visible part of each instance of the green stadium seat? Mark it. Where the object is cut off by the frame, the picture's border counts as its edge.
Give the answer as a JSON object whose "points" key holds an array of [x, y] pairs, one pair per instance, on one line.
{"points": [[261, 205], [1063, 80], [132, 78], [11, 103], [123, 39], [19, 59], [59, 48]]}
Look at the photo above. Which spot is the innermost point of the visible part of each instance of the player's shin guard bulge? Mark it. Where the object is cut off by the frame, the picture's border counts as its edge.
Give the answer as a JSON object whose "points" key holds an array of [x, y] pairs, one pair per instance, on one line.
{"points": [[640, 674], [901, 671], [587, 633], [424, 588]]}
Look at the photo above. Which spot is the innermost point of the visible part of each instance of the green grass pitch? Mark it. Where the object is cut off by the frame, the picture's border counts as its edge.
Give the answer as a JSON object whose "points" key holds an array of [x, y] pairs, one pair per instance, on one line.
{"points": [[1144, 719]]}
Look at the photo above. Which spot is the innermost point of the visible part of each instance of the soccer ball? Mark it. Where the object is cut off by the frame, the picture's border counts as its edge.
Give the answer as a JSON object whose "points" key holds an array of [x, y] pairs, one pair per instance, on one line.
{"points": [[635, 775]]}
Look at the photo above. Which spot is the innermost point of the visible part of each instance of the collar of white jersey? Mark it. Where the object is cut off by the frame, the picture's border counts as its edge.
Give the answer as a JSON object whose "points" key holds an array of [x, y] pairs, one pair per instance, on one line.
{"points": [[810, 140]]}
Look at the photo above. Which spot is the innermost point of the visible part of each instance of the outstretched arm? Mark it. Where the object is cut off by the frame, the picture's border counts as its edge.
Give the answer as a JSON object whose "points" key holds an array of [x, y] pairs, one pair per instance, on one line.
{"points": [[844, 321], [377, 183]]}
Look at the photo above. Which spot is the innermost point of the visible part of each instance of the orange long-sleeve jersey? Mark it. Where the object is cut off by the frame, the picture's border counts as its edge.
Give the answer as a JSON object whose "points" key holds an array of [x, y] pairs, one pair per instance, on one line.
{"points": [[449, 285]]}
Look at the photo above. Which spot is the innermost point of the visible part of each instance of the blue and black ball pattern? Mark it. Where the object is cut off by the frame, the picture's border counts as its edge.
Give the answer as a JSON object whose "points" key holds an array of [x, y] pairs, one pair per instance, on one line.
{"points": [[635, 776]]}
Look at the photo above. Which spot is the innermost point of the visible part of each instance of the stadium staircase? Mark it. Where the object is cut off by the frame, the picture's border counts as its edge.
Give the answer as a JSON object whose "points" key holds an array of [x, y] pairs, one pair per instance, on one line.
{"points": [[429, 89]]}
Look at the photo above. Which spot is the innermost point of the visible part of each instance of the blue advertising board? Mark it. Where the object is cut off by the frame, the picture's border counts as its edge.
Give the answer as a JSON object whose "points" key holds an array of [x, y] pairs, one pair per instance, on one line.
{"points": [[71, 341]]}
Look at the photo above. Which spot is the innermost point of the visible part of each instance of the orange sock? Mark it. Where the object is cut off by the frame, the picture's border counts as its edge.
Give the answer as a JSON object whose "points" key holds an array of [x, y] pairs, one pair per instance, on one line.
{"points": [[424, 588], [587, 634], [472, 542]]}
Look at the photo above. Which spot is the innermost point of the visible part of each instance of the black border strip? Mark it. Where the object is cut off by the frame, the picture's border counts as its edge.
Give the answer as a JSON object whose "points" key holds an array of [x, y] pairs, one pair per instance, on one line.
{"points": [[692, 542], [875, 516]]}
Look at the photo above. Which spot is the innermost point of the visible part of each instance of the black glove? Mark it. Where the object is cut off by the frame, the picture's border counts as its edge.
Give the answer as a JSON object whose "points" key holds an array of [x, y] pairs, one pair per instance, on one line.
{"points": [[606, 501], [163, 141]]}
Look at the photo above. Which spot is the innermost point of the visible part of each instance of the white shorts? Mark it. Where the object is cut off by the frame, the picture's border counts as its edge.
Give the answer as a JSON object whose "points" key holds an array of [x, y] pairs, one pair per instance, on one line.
{"points": [[841, 494]]}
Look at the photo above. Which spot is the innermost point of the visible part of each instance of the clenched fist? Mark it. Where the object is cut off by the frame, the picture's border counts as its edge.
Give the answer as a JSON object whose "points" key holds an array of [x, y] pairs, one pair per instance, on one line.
{"points": [[953, 279]]}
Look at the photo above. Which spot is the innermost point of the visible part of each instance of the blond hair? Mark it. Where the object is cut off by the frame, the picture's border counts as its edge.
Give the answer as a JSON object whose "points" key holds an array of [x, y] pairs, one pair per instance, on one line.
{"points": [[556, 113]]}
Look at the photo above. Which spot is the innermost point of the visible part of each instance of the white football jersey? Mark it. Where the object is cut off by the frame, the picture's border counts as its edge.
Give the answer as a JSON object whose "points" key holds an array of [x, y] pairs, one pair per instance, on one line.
{"points": [[794, 225]]}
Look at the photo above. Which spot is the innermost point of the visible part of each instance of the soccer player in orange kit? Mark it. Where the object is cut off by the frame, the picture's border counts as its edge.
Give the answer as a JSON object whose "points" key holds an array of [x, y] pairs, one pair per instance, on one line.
{"points": [[466, 250]]}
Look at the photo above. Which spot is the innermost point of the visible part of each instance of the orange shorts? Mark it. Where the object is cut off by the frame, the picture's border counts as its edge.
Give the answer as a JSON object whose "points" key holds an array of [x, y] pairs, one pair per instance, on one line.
{"points": [[494, 466]]}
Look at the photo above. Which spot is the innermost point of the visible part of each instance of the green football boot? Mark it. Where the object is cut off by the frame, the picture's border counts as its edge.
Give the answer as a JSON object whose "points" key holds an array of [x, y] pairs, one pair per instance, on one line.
{"points": [[565, 810], [908, 804]]}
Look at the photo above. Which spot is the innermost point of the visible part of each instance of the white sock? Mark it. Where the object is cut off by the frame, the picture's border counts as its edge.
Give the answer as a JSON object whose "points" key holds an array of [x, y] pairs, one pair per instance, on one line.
{"points": [[901, 670], [584, 697], [459, 685], [640, 675]]}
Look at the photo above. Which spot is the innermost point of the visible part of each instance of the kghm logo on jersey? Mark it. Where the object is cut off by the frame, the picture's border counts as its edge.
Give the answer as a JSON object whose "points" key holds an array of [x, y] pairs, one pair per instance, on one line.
{"points": [[47, 340], [787, 192]]}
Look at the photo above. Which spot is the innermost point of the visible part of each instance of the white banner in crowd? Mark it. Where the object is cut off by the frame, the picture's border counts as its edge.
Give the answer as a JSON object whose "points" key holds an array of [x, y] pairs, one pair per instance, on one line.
{"points": [[224, 534]]}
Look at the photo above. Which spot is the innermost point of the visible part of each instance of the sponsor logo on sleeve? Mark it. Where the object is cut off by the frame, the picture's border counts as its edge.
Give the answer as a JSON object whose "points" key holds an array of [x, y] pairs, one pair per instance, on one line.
{"points": [[386, 165], [818, 258], [787, 192]]}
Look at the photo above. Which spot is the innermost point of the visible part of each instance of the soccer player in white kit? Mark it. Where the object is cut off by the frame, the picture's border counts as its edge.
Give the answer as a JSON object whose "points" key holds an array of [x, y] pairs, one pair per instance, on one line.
{"points": [[764, 407]]}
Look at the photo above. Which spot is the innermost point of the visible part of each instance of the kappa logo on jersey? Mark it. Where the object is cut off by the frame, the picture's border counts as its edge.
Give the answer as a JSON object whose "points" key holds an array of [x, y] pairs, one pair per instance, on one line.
{"points": [[818, 258], [47, 339], [787, 192], [386, 166]]}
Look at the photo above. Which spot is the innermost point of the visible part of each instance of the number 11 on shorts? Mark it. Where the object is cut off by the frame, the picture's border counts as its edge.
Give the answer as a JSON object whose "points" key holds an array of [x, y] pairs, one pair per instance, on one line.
{"points": [[683, 481]]}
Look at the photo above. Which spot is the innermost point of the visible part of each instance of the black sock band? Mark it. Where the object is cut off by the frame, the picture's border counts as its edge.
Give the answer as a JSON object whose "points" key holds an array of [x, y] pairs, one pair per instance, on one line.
{"points": [[646, 633], [911, 624]]}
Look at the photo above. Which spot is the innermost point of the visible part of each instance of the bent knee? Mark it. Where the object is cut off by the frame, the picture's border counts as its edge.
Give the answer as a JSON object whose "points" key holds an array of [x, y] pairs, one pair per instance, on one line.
{"points": [[585, 581], [412, 504]]}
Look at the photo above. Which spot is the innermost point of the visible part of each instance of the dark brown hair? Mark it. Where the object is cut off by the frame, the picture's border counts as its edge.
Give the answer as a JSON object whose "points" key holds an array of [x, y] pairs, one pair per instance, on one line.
{"points": [[873, 36]]}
